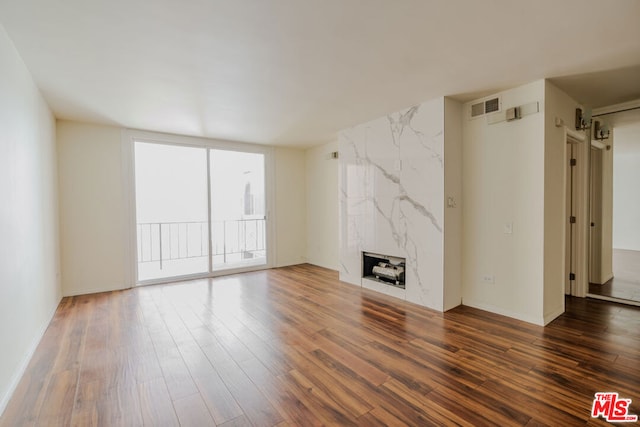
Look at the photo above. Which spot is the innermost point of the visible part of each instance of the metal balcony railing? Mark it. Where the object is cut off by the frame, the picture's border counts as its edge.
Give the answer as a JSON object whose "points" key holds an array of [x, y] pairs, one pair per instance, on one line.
{"points": [[168, 241]]}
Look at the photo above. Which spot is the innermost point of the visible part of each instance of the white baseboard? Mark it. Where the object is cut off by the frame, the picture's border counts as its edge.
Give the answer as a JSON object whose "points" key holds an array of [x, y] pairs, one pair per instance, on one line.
{"points": [[323, 265], [503, 312], [22, 367], [548, 318], [76, 292]]}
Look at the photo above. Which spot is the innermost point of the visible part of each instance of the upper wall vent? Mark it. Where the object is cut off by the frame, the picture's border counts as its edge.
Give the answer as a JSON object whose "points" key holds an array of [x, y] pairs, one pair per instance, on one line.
{"points": [[492, 105], [477, 109], [485, 107]]}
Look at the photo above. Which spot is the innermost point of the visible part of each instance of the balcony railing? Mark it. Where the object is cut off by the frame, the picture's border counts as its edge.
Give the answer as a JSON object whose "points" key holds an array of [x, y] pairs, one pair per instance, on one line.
{"points": [[232, 240]]}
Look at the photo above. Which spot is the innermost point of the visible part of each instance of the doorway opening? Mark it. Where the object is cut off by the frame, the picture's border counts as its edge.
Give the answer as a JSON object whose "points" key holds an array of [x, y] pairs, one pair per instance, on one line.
{"points": [[200, 211], [615, 248]]}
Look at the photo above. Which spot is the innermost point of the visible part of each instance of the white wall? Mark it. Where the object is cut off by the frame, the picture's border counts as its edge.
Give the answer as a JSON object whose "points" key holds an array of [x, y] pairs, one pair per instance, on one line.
{"points": [[322, 206], [92, 206], [453, 204], [291, 208], [29, 254], [626, 176], [503, 185], [606, 244], [601, 237], [558, 105]]}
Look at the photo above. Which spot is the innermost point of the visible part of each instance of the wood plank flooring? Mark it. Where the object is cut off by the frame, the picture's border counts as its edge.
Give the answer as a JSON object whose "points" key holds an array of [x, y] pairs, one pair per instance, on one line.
{"points": [[294, 346]]}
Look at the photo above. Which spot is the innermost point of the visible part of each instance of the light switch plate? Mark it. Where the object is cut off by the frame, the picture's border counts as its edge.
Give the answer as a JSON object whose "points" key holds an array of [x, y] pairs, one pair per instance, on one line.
{"points": [[487, 278], [507, 228]]}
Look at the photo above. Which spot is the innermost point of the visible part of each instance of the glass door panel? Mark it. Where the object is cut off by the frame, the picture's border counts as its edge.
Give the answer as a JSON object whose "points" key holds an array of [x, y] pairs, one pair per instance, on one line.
{"points": [[238, 222], [171, 211]]}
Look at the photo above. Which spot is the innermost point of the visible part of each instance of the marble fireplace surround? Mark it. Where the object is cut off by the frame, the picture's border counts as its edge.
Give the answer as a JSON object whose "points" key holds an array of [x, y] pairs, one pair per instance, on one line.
{"points": [[392, 199]]}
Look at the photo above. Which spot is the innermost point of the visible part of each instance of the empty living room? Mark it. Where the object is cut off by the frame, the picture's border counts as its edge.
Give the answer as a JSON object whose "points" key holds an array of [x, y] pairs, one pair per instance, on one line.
{"points": [[294, 213]]}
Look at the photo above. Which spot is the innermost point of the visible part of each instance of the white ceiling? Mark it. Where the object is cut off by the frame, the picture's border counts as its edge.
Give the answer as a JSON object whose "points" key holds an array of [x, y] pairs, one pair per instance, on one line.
{"points": [[294, 72]]}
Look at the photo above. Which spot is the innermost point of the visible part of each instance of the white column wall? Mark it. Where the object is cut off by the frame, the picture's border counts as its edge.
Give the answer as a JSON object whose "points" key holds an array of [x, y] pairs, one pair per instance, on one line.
{"points": [[503, 216], [29, 242], [322, 205]]}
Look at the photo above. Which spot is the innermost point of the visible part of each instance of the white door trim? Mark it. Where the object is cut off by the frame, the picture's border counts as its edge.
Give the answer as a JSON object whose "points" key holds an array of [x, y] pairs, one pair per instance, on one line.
{"points": [[581, 211]]}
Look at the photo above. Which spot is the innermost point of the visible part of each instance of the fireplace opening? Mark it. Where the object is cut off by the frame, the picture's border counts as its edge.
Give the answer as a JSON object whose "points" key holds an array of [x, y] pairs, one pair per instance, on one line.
{"points": [[384, 269]]}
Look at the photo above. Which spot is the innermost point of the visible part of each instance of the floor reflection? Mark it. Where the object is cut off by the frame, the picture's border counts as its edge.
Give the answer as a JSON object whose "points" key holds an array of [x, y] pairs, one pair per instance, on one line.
{"points": [[618, 289]]}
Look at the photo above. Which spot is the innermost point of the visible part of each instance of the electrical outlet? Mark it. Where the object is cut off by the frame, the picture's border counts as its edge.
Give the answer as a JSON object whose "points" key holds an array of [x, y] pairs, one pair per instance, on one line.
{"points": [[488, 279]]}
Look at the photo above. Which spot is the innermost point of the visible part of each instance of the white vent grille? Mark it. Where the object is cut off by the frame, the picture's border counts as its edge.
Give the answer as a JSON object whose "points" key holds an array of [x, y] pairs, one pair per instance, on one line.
{"points": [[485, 107], [477, 109]]}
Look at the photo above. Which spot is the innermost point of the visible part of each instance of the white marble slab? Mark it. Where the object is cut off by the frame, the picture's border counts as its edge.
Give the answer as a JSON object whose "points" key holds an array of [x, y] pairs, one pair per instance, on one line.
{"points": [[392, 198]]}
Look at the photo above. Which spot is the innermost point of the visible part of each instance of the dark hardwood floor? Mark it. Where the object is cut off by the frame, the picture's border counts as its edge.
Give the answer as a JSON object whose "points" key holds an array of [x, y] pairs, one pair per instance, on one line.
{"points": [[294, 346]]}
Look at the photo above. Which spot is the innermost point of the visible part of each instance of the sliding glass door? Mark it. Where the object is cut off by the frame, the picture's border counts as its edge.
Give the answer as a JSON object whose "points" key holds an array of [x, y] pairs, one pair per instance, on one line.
{"points": [[238, 220], [198, 211], [171, 210]]}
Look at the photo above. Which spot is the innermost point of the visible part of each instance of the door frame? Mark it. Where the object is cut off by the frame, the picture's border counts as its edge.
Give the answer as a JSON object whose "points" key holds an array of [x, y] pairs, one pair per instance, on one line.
{"points": [[128, 139], [570, 206], [595, 213], [580, 285]]}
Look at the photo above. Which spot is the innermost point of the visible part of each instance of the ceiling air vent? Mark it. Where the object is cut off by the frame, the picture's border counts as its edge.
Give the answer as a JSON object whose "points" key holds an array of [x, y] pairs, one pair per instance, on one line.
{"points": [[485, 107]]}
